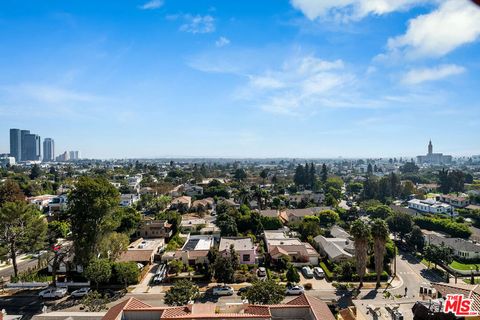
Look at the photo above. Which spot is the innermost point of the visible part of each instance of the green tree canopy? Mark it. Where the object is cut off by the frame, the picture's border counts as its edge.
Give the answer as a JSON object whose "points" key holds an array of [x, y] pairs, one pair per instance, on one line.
{"points": [[21, 227], [416, 239], [181, 293], [292, 274], [98, 271], [57, 229], [126, 272], [265, 292], [400, 223], [10, 192], [380, 212], [328, 218], [112, 245], [93, 212]]}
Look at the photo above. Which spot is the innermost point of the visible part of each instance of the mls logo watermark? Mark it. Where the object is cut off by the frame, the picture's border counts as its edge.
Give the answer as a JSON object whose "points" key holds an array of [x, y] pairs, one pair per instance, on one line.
{"points": [[459, 305]]}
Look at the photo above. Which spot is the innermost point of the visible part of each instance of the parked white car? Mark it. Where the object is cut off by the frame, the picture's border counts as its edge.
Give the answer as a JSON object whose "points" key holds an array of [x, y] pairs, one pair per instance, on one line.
{"points": [[294, 290], [222, 291], [80, 293], [53, 293], [319, 272], [307, 272]]}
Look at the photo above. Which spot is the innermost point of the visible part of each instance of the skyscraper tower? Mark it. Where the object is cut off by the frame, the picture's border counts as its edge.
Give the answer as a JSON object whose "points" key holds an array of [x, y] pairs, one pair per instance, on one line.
{"points": [[23, 134], [32, 146], [16, 144], [430, 147], [48, 150]]}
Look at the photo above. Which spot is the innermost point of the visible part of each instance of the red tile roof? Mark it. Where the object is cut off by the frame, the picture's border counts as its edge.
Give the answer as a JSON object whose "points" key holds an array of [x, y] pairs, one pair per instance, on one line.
{"points": [[319, 309], [116, 311], [175, 312]]}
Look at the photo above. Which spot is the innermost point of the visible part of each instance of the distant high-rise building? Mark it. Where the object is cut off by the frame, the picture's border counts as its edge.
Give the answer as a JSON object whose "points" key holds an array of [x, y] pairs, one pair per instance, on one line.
{"points": [[16, 144], [23, 134], [63, 157], [73, 155], [31, 144], [434, 158], [48, 150]]}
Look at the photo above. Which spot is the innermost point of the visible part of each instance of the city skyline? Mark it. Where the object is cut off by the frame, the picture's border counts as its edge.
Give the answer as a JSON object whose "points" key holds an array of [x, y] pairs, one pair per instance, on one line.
{"points": [[27, 146], [182, 79]]}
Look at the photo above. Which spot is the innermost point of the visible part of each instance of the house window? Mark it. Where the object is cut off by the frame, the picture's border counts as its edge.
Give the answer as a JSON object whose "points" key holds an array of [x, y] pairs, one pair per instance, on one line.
{"points": [[246, 257]]}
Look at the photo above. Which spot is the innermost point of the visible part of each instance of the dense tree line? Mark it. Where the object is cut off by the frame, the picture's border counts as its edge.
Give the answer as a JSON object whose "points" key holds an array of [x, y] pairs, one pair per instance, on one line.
{"points": [[453, 228], [305, 175], [386, 188], [451, 181]]}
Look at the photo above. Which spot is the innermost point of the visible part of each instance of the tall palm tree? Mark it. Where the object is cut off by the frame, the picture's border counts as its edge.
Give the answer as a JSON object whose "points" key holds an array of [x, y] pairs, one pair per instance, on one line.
{"points": [[380, 234], [361, 233]]}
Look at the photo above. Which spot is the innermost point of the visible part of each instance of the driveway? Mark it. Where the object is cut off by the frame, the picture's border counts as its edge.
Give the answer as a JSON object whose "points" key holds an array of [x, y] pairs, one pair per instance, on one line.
{"points": [[144, 285], [317, 284]]}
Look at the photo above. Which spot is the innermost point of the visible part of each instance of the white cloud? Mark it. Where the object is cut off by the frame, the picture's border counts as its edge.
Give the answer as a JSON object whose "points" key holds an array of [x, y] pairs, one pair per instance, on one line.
{"points": [[351, 9], [300, 84], [151, 5], [38, 99], [453, 24], [222, 42], [266, 82], [50, 94], [198, 24], [416, 76]]}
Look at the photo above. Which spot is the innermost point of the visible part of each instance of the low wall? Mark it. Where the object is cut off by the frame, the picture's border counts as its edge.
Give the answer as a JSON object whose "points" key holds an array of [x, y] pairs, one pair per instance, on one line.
{"points": [[27, 284]]}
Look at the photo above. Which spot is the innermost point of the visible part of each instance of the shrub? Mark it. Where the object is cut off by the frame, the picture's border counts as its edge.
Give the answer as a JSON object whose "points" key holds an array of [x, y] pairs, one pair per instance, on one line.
{"points": [[126, 272], [308, 286], [328, 274]]}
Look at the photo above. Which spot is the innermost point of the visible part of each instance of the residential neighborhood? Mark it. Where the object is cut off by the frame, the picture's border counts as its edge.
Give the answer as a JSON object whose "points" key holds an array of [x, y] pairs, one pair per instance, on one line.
{"points": [[240, 160], [240, 233]]}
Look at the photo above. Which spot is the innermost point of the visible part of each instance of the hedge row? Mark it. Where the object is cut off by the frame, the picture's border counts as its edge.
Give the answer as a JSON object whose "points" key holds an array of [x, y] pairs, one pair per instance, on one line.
{"points": [[453, 228]]}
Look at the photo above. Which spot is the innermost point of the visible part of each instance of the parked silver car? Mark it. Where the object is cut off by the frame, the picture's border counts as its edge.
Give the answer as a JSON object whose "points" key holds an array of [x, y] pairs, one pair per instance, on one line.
{"points": [[294, 290], [307, 272], [223, 291], [80, 293]]}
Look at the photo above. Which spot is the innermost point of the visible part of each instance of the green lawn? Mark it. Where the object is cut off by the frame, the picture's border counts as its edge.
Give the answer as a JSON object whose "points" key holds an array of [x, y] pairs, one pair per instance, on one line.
{"points": [[467, 281], [464, 266]]}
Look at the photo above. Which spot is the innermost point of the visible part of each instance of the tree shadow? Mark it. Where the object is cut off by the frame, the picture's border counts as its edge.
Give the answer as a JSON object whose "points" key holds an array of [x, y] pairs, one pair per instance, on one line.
{"points": [[207, 297], [372, 294], [430, 276]]}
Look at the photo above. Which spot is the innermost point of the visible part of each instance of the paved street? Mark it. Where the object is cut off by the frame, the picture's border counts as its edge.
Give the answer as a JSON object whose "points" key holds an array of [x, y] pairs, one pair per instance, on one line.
{"points": [[413, 274], [22, 266], [409, 269], [26, 305]]}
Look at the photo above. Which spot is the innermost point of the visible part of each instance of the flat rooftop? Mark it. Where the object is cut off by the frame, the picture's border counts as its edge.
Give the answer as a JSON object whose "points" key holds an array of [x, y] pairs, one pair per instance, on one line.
{"points": [[197, 243]]}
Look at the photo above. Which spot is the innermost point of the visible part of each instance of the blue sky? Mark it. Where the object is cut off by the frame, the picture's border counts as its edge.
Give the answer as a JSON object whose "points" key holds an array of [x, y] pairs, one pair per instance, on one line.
{"points": [[270, 78]]}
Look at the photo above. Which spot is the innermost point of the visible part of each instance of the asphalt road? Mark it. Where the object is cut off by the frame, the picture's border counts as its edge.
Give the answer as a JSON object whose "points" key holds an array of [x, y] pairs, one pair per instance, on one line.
{"points": [[411, 271], [22, 266], [26, 305], [414, 274]]}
